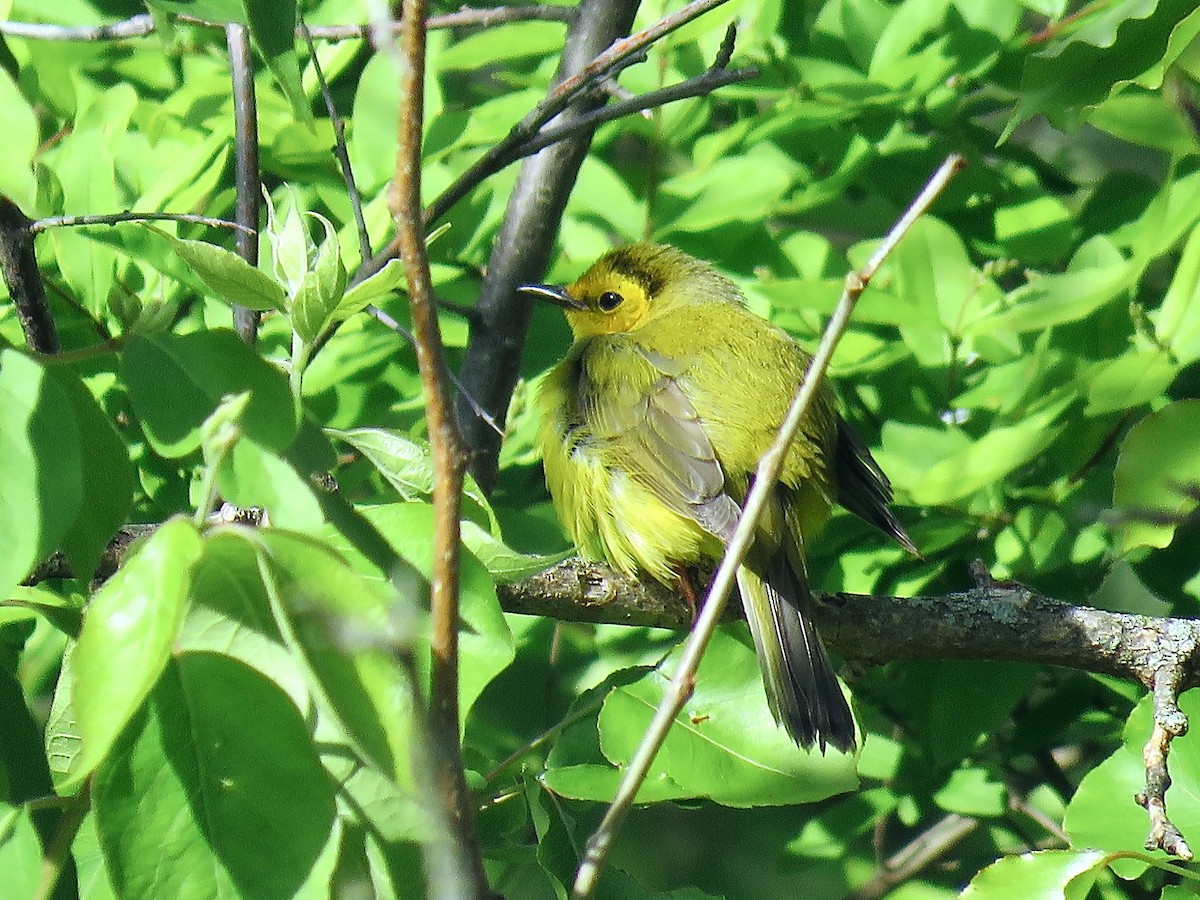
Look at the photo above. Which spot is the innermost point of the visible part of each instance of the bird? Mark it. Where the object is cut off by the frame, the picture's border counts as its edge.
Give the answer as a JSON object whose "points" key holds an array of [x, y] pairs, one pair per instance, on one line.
{"points": [[651, 428]]}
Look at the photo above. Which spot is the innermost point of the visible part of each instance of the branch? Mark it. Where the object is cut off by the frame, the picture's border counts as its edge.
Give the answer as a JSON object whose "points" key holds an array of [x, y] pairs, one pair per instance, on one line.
{"points": [[765, 477], [143, 25], [696, 86], [922, 850], [457, 869], [116, 218], [18, 265], [246, 166]]}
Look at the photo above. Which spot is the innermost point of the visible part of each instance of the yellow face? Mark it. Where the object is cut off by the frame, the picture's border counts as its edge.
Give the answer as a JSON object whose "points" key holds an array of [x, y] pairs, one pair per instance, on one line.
{"points": [[612, 303], [630, 285]]}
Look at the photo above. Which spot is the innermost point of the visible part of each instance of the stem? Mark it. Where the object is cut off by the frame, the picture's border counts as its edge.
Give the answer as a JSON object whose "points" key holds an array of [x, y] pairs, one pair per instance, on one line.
{"points": [[457, 869]]}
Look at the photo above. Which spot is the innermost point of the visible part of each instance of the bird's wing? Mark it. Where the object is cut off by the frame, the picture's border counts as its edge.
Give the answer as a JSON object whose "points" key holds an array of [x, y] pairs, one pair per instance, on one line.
{"points": [[863, 488], [634, 404]]}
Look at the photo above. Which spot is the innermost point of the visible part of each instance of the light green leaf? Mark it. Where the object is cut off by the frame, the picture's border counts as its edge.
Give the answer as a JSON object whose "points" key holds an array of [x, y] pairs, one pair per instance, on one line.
{"points": [[232, 279], [20, 852], [214, 790], [503, 563], [388, 279], [990, 458], [321, 289], [201, 369], [346, 629], [1040, 875], [126, 639], [40, 457], [724, 745], [1159, 456]]}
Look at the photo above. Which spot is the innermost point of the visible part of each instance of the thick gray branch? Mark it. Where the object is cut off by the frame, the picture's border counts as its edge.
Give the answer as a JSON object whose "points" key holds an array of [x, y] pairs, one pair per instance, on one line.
{"points": [[994, 622]]}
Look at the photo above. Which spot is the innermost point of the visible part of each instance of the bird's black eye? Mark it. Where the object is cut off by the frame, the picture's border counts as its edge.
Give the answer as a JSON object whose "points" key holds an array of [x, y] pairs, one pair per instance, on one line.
{"points": [[610, 300]]}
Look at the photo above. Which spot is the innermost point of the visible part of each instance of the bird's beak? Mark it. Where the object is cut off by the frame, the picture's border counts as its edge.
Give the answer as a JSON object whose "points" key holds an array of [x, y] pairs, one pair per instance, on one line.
{"points": [[551, 293]]}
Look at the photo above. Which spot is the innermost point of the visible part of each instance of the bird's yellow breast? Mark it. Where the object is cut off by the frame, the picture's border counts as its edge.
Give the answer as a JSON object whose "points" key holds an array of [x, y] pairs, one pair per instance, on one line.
{"points": [[607, 513]]}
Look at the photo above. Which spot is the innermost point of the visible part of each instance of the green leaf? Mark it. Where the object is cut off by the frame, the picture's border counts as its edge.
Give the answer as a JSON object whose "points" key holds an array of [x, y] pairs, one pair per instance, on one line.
{"points": [[273, 27], [407, 465], [18, 124], [222, 12], [1129, 381], [231, 278], [345, 628], [1177, 320], [1040, 875], [126, 639], [106, 478], [1159, 456], [387, 280], [1111, 46], [288, 241], [1050, 300], [724, 745], [503, 563], [215, 789], [989, 459], [252, 475], [40, 457], [20, 852], [972, 792], [486, 646], [200, 369], [321, 289]]}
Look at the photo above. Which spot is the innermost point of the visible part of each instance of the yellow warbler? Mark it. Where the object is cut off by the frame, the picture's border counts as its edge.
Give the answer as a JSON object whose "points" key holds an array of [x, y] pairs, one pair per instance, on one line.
{"points": [[652, 427]]}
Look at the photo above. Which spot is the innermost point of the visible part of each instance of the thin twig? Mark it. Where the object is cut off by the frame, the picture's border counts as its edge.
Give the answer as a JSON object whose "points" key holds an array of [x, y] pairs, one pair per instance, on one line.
{"points": [[693, 87], [764, 483], [339, 147], [910, 859], [388, 321], [144, 25], [460, 872], [246, 165], [507, 149], [127, 216]]}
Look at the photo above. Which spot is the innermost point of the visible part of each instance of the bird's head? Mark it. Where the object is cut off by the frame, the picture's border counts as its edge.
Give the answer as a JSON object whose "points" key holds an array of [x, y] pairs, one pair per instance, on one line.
{"points": [[631, 286]]}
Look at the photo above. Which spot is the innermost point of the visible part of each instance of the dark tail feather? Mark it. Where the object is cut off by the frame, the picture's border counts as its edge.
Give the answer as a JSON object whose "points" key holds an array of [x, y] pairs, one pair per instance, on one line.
{"points": [[802, 690], [863, 488]]}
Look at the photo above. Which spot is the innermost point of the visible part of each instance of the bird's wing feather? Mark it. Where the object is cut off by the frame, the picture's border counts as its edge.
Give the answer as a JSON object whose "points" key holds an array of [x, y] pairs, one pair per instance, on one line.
{"points": [[640, 408]]}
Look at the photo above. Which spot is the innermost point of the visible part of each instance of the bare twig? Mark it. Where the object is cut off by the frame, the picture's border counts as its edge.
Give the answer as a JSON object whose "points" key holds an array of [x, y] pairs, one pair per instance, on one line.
{"points": [[18, 265], [462, 874], [136, 26], [249, 194], [1169, 723], [764, 482], [693, 87], [116, 218], [508, 149], [388, 321], [924, 849], [143, 25], [339, 147]]}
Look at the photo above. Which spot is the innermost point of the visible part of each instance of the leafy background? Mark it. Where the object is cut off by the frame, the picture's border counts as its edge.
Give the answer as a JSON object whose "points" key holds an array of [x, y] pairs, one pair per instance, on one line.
{"points": [[1023, 367]]}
